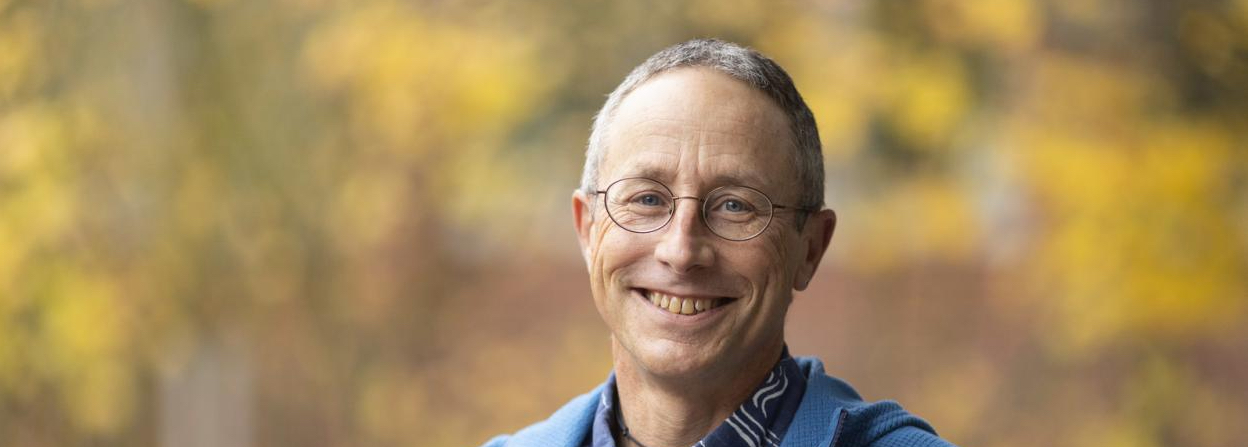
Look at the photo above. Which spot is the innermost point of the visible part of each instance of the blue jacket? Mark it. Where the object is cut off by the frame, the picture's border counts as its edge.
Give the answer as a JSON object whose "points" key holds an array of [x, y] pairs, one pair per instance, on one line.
{"points": [[831, 415]]}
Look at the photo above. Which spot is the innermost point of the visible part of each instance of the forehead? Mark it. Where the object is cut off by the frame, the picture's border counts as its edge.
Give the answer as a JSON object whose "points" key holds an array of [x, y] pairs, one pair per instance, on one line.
{"points": [[698, 125]]}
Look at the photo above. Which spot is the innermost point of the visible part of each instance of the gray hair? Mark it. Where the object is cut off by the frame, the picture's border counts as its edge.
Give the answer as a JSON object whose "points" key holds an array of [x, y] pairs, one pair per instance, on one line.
{"points": [[741, 63]]}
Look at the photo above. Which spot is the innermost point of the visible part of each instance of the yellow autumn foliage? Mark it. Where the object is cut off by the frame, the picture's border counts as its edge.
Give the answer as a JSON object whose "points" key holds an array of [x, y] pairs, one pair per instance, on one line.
{"points": [[354, 215]]}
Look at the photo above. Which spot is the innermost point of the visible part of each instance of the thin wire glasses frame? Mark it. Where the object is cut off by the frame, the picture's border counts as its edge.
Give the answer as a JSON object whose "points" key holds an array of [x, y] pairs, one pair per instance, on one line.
{"points": [[765, 205]]}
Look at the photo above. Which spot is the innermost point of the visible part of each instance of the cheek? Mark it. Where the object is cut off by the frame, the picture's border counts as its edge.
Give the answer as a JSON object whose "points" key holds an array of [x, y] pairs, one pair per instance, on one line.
{"points": [[611, 252], [597, 259], [774, 259], [596, 252], [779, 288]]}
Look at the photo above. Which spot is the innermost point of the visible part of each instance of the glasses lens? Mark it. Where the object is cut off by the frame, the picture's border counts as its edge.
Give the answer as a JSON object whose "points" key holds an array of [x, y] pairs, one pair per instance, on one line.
{"points": [[737, 213], [639, 205]]}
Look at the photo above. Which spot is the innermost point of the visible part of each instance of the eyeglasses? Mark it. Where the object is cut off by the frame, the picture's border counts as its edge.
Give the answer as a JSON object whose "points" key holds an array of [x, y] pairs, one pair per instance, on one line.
{"points": [[735, 213]]}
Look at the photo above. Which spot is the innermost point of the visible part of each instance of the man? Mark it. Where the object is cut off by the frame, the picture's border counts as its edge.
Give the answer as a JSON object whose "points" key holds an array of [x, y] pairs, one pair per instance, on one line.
{"points": [[700, 212]]}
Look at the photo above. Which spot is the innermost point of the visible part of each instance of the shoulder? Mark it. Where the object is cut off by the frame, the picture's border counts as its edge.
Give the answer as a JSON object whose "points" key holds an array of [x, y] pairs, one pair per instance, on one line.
{"points": [[886, 424], [832, 409], [566, 427]]}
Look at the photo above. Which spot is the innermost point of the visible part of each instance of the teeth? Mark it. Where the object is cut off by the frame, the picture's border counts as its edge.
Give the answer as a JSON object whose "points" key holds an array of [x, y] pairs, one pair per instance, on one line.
{"points": [[683, 306]]}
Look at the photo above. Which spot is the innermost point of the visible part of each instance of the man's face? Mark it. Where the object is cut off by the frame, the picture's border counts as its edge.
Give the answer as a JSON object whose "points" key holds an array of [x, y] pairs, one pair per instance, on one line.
{"points": [[695, 129]]}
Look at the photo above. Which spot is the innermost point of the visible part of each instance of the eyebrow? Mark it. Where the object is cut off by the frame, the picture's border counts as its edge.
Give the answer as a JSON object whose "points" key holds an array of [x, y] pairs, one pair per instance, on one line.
{"points": [[665, 176]]}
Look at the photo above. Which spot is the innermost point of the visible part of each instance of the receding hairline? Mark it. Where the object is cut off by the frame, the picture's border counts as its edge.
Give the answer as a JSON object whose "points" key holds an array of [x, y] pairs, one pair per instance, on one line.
{"points": [[775, 123], [737, 62], [608, 115]]}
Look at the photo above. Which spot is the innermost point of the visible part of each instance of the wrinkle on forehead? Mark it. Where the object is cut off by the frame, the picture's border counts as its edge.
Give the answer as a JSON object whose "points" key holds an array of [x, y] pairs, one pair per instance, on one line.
{"points": [[698, 126]]}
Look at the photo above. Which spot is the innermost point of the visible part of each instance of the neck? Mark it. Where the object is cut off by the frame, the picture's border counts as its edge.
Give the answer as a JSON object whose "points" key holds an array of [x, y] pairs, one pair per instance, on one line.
{"points": [[677, 411]]}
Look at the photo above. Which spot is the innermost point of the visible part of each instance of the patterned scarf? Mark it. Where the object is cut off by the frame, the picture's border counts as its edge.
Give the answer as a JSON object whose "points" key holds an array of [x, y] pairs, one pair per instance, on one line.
{"points": [[760, 421]]}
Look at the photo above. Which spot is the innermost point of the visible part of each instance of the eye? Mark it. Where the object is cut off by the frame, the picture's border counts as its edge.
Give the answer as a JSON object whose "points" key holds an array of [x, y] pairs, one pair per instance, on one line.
{"points": [[734, 205], [648, 199]]}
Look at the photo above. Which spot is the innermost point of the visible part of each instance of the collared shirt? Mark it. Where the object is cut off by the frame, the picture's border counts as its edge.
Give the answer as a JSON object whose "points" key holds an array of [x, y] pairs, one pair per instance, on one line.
{"points": [[760, 421]]}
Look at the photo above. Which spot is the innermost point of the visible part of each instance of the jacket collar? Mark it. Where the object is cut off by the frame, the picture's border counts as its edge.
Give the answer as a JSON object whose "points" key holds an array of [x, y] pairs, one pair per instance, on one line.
{"points": [[566, 428], [823, 409], [824, 401]]}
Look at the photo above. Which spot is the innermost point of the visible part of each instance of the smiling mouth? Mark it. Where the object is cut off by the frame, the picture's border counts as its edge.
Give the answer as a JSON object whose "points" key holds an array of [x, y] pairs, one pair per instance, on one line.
{"points": [[682, 305]]}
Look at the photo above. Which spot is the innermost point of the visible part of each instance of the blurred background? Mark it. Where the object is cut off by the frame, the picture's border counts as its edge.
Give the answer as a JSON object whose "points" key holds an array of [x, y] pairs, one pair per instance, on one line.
{"points": [[332, 223]]}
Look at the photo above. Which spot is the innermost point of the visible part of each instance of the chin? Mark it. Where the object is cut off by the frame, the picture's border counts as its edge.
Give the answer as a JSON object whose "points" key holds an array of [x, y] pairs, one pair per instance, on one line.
{"points": [[668, 359]]}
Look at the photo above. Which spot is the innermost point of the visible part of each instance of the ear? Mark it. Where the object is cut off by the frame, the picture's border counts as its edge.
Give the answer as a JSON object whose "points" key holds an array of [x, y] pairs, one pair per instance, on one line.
{"points": [[583, 219], [815, 239]]}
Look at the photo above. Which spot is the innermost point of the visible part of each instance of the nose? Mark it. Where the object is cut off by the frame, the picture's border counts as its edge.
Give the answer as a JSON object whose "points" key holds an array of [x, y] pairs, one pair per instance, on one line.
{"points": [[685, 244]]}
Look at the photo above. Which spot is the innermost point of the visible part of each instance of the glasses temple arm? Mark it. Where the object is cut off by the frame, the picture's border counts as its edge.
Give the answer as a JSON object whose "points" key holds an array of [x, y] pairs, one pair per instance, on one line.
{"points": [[798, 208]]}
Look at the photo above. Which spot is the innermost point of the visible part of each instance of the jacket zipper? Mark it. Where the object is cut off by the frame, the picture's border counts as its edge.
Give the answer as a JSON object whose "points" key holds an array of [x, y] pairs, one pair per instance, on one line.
{"points": [[840, 424]]}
